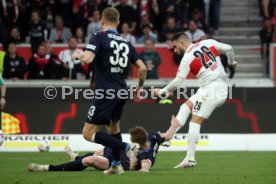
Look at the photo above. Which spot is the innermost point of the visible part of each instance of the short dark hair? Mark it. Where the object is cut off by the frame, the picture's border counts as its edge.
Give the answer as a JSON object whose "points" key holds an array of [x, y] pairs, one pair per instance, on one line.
{"points": [[111, 15], [146, 26], [73, 38], [138, 135], [192, 20], [170, 17], [12, 43], [180, 35], [37, 11], [148, 39], [42, 44], [58, 17]]}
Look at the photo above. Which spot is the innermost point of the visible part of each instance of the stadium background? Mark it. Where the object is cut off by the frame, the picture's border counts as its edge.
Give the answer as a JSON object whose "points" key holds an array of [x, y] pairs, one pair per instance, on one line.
{"points": [[237, 144], [247, 112], [238, 23]]}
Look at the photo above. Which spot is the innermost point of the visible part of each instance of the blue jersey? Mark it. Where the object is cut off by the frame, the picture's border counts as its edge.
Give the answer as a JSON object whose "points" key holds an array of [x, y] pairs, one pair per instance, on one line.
{"points": [[150, 153], [113, 55]]}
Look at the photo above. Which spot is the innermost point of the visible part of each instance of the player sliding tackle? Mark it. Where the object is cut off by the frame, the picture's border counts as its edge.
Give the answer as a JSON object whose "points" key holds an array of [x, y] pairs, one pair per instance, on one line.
{"points": [[111, 54], [142, 156], [202, 59]]}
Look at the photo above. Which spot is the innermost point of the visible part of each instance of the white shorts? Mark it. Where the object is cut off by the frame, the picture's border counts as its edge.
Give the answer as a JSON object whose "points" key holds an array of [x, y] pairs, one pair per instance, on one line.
{"points": [[208, 98]]}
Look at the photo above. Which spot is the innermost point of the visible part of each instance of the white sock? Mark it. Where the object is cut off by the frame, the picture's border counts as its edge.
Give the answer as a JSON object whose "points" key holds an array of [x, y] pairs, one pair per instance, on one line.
{"points": [[193, 138], [183, 115]]}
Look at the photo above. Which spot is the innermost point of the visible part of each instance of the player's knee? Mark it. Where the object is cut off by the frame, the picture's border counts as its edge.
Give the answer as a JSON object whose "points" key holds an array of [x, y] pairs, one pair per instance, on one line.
{"points": [[98, 152], [89, 137], [84, 162], [85, 133], [197, 119], [113, 130], [88, 161], [88, 134], [189, 104], [85, 137]]}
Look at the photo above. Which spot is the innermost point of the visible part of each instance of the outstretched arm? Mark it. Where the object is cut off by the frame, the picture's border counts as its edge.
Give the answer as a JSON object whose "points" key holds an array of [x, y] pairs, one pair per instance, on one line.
{"points": [[182, 74], [85, 57], [91, 50], [227, 50], [170, 87], [142, 70], [175, 125]]}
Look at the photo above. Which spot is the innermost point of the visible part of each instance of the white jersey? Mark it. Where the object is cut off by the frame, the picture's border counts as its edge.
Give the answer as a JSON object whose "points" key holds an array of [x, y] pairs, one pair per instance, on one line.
{"points": [[202, 59]]}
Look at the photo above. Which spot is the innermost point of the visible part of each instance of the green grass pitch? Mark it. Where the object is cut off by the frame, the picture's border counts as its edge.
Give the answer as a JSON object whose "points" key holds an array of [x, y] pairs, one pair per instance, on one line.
{"points": [[213, 167]]}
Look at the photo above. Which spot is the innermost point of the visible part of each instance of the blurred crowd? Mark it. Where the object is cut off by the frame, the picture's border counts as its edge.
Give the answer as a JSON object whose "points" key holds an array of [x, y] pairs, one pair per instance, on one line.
{"points": [[268, 32], [39, 20], [45, 22]]}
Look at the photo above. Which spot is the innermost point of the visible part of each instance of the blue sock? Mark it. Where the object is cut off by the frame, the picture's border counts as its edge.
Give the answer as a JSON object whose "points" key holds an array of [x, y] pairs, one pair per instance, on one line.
{"points": [[127, 147], [117, 152], [117, 136], [115, 163], [109, 141], [69, 166]]}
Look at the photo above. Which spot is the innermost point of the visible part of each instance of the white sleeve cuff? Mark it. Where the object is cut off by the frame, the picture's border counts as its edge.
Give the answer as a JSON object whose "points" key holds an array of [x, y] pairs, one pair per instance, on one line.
{"points": [[172, 85]]}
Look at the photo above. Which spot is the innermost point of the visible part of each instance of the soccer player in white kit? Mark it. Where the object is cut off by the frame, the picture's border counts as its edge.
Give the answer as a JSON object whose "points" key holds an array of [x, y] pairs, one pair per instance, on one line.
{"points": [[202, 59]]}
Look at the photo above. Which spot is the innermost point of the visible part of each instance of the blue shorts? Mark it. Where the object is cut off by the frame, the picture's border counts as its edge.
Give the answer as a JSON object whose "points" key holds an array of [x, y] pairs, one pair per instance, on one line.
{"points": [[104, 111]]}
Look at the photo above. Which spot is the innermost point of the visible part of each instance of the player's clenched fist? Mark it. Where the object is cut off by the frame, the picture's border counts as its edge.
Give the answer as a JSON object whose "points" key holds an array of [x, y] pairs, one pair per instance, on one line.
{"points": [[76, 55], [160, 92], [156, 92]]}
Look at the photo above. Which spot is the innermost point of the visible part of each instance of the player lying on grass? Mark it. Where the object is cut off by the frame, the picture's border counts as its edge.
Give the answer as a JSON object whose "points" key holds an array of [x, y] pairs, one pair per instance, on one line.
{"points": [[100, 160], [142, 156]]}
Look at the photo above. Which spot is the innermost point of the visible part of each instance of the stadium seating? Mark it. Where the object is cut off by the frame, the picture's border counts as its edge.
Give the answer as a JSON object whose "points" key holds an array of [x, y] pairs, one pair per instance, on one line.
{"points": [[240, 25]]}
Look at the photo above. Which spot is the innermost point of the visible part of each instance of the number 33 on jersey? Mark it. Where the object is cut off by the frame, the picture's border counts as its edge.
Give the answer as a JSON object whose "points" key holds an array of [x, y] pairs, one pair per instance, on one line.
{"points": [[113, 55]]}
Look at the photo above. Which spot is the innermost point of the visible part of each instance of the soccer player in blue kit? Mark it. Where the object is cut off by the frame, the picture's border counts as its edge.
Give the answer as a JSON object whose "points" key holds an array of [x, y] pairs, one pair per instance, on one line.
{"points": [[111, 54], [142, 157]]}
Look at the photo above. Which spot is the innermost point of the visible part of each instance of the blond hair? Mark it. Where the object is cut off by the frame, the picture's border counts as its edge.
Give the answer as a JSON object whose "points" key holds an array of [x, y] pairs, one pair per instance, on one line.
{"points": [[111, 15]]}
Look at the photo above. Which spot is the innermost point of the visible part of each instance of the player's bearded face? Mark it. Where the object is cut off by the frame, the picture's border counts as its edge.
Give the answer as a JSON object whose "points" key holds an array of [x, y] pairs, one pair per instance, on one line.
{"points": [[177, 48]]}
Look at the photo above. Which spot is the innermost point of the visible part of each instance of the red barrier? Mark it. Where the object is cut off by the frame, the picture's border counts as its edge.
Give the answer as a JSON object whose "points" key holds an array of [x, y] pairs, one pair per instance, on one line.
{"points": [[167, 68]]}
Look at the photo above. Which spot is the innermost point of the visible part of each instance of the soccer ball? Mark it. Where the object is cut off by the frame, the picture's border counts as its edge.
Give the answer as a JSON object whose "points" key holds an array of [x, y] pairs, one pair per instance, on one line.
{"points": [[2, 138], [43, 146]]}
